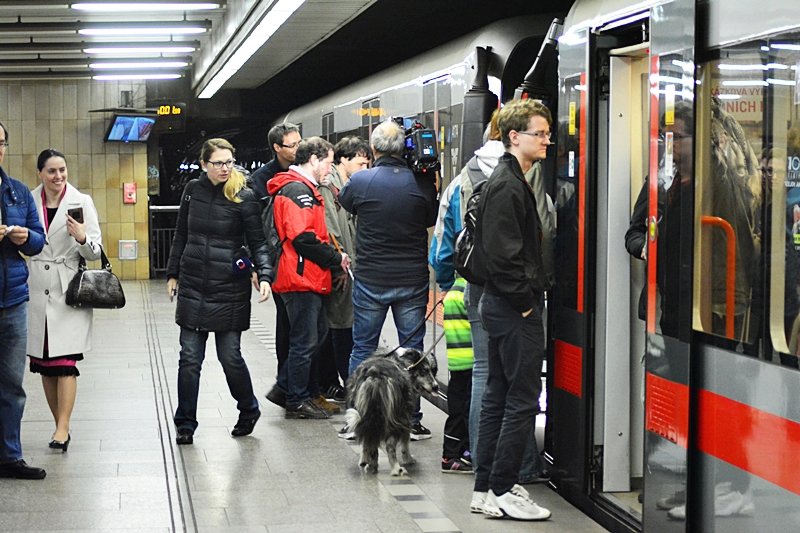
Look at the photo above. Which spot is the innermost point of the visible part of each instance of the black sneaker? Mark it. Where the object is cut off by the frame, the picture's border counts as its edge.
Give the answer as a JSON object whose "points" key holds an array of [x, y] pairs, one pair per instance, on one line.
{"points": [[277, 396], [336, 393], [184, 437], [419, 432], [306, 410], [346, 433], [21, 470], [244, 426], [455, 466]]}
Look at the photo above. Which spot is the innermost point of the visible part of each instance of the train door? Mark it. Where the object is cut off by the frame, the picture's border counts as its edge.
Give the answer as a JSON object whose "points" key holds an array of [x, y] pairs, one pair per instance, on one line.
{"points": [[620, 397]]}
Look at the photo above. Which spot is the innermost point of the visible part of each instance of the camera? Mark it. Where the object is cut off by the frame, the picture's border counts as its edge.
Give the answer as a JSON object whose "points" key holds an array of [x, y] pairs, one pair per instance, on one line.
{"points": [[420, 154]]}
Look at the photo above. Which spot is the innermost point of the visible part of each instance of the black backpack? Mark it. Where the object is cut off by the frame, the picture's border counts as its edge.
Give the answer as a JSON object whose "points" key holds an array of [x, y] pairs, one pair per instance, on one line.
{"points": [[467, 255]]}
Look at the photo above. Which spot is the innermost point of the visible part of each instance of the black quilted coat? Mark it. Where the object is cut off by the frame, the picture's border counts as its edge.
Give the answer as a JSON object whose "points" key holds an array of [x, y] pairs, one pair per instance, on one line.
{"points": [[209, 238]]}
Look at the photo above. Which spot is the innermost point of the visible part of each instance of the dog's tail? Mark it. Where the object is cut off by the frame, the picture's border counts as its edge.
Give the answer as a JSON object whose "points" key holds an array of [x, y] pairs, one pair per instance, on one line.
{"points": [[379, 408]]}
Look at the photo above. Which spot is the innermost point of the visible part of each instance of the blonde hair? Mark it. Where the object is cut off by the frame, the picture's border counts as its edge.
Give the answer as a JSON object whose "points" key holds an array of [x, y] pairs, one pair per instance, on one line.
{"points": [[236, 181]]}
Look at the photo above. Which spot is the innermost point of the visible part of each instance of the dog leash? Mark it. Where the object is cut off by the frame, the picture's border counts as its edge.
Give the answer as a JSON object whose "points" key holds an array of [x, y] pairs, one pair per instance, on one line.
{"points": [[441, 301]]}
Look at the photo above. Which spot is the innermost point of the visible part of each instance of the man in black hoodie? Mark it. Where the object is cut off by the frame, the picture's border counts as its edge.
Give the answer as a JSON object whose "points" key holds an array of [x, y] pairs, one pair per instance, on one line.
{"points": [[510, 237]]}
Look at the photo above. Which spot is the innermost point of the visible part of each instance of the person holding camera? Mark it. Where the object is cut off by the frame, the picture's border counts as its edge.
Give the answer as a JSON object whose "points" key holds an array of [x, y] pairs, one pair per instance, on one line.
{"points": [[217, 217], [57, 333], [392, 269], [20, 233]]}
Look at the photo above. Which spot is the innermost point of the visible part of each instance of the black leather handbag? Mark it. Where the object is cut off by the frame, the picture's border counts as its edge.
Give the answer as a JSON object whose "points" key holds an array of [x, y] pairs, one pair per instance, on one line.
{"points": [[95, 289]]}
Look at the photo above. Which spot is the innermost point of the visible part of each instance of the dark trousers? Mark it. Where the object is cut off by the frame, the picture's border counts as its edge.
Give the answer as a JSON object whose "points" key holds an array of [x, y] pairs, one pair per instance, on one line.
{"points": [[511, 400], [342, 340], [327, 374], [282, 331], [309, 327], [456, 432]]}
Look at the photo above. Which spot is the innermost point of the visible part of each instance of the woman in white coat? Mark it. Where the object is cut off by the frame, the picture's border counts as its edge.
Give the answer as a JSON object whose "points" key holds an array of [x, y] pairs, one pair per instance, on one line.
{"points": [[57, 333]]}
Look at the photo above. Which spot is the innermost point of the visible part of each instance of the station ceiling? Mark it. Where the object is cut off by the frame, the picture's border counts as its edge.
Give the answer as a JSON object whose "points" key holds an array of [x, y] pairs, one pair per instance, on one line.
{"points": [[322, 46]]}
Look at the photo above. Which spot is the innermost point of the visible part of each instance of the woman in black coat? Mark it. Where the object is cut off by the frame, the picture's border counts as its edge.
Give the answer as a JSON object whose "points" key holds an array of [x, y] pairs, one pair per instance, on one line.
{"points": [[217, 218]]}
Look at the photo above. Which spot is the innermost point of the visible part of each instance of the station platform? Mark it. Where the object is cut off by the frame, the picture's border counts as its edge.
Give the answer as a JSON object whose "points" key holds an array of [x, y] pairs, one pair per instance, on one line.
{"points": [[123, 471]]}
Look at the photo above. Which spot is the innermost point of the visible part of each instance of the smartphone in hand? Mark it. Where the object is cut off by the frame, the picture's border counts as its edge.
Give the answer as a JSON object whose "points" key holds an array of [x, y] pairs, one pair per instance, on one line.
{"points": [[77, 214]]}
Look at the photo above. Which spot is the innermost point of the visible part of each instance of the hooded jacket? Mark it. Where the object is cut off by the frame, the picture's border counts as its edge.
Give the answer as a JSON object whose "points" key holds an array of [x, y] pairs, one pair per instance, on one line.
{"points": [[307, 257], [17, 209], [212, 295]]}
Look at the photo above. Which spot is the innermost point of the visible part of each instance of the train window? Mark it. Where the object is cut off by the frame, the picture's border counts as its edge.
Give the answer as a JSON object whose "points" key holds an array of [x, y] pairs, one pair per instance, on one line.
{"points": [[328, 128], [747, 201]]}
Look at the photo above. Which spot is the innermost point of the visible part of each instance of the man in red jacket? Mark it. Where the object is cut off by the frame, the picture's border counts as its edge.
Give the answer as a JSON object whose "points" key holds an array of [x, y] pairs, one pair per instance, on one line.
{"points": [[304, 268]]}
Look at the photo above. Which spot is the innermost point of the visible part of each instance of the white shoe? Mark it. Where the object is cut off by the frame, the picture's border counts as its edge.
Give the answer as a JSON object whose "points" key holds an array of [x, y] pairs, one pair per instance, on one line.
{"points": [[478, 502], [517, 504], [726, 503], [489, 506]]}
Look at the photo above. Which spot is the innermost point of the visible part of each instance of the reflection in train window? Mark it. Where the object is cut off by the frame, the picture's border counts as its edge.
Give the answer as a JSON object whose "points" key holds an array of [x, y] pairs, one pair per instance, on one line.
{"points": [[747, 224]]}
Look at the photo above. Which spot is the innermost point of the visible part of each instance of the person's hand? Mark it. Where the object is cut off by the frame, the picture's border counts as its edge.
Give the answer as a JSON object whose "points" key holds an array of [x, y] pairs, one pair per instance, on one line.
{"points": [[644, 252], [3, 230], [76, 229], [172, 288], [265, 291], [527, 313], [340, 282], [17, 234], [345, 262], [254, 279]]}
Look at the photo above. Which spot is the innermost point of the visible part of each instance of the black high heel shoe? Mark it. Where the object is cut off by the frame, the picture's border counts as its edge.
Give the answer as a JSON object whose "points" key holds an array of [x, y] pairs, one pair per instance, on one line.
{"points": [[61, 445]]}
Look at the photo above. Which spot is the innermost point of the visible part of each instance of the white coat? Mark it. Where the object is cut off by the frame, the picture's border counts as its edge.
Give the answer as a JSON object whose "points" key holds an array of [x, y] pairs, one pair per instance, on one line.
{"points": [[69, 330]]}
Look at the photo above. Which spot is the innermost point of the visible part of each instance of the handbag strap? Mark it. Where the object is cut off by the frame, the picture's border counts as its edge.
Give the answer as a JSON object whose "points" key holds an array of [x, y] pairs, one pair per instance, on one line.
{"points": [[106, 264]]}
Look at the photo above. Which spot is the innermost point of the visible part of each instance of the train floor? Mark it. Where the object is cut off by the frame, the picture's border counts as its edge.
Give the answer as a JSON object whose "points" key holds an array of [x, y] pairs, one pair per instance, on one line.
{"points": [[123, 470]]}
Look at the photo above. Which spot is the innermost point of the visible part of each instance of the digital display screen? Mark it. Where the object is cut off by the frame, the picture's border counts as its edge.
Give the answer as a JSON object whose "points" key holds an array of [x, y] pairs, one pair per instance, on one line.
{"points": [[130, 128]]}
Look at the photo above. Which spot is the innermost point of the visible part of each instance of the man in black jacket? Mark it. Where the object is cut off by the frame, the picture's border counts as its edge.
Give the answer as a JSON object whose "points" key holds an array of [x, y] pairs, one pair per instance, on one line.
{"points": [[509, 235]]}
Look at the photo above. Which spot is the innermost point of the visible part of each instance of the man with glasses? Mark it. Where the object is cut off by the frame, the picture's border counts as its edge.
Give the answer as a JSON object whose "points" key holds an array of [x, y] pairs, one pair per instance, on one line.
{"points": [[20, 233], [509, 237], [283, 142], [304, 271]]}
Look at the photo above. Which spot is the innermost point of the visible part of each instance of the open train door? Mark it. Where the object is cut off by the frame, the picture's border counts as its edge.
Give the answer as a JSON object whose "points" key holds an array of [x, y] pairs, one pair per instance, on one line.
{"points": [[595, 413]]}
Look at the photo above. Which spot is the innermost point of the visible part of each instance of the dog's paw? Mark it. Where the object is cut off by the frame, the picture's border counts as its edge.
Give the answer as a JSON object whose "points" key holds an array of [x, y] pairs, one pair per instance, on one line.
{"points": [[399, 471], [369, 468]]}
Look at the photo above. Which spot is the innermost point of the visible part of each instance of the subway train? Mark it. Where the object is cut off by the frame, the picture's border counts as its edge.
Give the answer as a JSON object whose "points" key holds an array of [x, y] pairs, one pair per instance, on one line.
{"points": [[673, 391]]}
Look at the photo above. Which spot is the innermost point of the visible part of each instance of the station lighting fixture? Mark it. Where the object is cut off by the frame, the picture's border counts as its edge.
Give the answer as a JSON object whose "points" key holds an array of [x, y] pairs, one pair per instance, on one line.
{"points": [[177, 47], [121, 7], [140, 30], [133, 65], [274, 19], [140, 76]]}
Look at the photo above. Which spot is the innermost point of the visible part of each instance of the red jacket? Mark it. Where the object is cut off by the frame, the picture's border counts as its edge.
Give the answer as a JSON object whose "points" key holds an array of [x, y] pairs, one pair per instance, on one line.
{"points": [[307, 258]]}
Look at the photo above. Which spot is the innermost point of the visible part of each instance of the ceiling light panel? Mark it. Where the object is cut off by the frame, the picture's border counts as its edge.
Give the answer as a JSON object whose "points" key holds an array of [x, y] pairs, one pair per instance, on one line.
{"points": [[123, 7]]}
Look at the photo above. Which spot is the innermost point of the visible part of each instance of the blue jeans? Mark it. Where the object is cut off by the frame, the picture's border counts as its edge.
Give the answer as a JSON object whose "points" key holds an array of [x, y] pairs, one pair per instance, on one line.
{"points": [[309, 325], [531, 460], [193, 351], [13, 339], [370, 305], [510, 403]]}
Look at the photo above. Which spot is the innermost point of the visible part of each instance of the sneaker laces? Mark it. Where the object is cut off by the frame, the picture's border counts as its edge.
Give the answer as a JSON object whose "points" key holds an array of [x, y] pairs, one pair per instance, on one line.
{"points": [[519, 490]]}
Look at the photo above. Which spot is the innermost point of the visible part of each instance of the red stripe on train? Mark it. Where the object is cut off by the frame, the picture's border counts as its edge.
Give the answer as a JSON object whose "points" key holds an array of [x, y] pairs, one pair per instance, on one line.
{"points": [[568, 371], [748, 438], [758, 442]]}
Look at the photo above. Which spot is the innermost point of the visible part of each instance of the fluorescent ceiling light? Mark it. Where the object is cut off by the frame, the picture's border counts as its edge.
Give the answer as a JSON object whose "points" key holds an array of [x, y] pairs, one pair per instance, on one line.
{"points": [[728, 96], [139, 65], [150, 76], [154, 6], [625, 21], [785, 46], [166, 30], [273, 20], [139, 49]]}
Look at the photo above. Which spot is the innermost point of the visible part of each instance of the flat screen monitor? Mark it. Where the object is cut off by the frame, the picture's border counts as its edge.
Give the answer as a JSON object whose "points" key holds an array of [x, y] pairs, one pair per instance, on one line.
{"points": [[130, 128]]}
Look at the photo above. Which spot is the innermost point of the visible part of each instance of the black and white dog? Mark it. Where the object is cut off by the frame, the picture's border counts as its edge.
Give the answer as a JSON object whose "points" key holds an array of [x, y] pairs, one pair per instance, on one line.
{"points": [[382, 392]]}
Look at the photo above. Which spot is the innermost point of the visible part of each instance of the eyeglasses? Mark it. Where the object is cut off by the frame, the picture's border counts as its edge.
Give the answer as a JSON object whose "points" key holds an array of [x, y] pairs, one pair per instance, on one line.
{"points": [[4, 144], [544, 135], [219, 164], [291, 146]]}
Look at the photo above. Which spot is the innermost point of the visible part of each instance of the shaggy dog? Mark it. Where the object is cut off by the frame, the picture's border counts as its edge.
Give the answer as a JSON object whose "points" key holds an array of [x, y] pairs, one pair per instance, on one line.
{"points": [[382, 392]]}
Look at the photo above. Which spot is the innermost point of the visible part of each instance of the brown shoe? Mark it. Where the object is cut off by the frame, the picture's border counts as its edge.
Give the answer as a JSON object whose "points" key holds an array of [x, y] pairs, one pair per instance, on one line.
{"points": [[325, 405]]}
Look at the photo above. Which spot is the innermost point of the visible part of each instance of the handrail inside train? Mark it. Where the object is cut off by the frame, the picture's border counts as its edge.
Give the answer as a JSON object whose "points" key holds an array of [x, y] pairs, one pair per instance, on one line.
{"points": [[730, 270]]}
